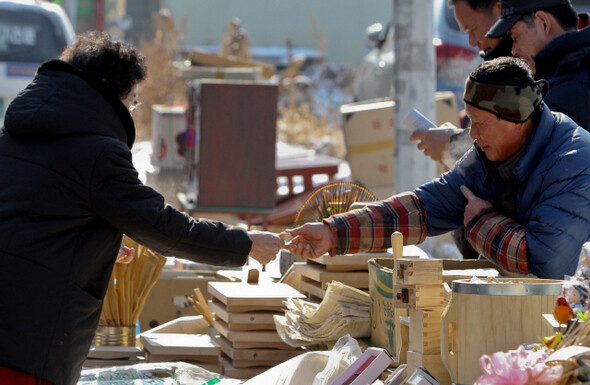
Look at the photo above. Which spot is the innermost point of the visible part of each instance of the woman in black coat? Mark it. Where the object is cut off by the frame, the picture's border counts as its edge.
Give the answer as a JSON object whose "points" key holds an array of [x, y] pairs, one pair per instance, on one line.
{"points": [[69, 191]]}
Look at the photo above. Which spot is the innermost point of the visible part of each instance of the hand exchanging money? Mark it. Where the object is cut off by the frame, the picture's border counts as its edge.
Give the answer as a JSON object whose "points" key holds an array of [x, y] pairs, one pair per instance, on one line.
{"points": [[265, 246], [311, 240]]}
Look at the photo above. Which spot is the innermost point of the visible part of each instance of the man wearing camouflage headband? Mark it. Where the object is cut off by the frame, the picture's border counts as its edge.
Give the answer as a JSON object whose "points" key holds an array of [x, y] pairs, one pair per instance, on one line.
{"points": [[522, 192]]}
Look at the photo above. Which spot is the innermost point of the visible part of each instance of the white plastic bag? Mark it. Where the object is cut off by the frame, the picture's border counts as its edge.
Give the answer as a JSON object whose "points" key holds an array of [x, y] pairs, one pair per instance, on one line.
{"points": [[316, 368]]}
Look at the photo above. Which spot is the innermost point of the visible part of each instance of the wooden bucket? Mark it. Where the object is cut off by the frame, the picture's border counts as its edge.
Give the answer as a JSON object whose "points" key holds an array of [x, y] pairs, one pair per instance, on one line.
{"points": [[485, 318]]}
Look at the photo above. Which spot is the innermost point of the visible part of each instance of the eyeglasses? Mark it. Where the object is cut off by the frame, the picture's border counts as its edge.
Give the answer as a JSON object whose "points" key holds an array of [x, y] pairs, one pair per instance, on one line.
{"points": [[136, 103]]}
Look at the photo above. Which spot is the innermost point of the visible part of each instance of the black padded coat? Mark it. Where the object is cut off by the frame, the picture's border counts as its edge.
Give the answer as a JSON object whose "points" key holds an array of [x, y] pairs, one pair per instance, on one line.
{"points": [[565, 64], [68, 191]]}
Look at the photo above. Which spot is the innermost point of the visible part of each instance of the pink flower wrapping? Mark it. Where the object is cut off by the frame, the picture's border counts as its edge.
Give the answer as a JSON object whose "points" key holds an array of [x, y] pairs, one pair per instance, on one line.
{"points": [[518, 367]]}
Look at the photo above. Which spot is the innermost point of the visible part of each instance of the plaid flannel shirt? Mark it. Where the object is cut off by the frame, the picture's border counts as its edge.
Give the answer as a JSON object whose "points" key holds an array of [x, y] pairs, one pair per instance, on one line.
{"points": [[495, 236], [501, 240], [370, 228]]}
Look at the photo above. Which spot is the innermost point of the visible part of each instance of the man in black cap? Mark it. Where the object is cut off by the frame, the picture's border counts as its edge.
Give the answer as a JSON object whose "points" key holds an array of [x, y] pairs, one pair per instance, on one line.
{"points": [[475, 18], [545, 34]]}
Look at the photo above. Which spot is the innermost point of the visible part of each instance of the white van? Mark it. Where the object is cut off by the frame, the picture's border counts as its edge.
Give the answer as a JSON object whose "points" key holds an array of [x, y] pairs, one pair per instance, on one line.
{"points": [[31, 32]]}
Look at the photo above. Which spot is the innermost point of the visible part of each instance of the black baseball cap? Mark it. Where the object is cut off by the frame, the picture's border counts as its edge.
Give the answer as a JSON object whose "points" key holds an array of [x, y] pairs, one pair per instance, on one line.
{"points": [[513, 10]]}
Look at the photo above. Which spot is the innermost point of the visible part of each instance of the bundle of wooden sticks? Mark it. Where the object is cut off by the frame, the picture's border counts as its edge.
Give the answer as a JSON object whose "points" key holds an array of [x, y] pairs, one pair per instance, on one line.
{"points": [[130, 285]]}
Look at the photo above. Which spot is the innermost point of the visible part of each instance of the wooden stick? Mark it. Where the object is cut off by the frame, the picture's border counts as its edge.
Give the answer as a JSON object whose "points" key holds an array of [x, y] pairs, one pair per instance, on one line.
{"points": [[121, 298], [200, 309], [397, 245], [206, 312], [114, 301]]}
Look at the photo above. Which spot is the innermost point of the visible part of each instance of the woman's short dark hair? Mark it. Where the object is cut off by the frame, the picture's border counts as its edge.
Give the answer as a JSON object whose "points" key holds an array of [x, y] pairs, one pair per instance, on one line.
{"points": [[119, 65], [565, 14]]}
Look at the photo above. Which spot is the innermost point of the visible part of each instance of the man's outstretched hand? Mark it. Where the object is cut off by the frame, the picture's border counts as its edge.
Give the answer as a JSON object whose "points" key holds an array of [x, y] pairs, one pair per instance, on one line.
{"points": [[311, 240]]}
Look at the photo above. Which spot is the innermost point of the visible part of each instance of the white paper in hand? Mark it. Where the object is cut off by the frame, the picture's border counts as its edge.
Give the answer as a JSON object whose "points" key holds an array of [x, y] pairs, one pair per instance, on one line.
{"points": [[416, 121]]}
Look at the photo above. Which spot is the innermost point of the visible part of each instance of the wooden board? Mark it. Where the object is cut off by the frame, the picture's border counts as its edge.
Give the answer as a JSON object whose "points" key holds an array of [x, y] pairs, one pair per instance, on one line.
{"points": [[179, 343], [348, 262], [115, 352], [247, 130], [240, 373], [255, 357], [244, 320], [315, 272], [312, 288], [257, 345], [256, 354], [200, 57], [259, 336], [243, 297], [352, 262], [182, 357], [339, 266]]}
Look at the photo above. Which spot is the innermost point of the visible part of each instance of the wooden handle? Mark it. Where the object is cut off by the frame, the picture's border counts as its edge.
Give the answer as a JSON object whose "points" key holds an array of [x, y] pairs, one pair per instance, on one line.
{"points": [[448, 332], [397, 244], [206, 311]]}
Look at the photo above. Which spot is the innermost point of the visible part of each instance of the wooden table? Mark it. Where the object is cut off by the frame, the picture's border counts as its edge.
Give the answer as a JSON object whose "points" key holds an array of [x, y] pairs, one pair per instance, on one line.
{"points": [[306, 167]]}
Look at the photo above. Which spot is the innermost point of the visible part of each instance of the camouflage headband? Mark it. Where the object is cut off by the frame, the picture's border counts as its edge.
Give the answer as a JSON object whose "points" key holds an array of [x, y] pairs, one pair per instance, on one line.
{"points": [[513, 102]]}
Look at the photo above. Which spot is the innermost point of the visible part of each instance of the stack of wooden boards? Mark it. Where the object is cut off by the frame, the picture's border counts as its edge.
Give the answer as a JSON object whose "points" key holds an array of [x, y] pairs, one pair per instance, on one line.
{"points": [[244, 320], [350, 269], [418, 289]]}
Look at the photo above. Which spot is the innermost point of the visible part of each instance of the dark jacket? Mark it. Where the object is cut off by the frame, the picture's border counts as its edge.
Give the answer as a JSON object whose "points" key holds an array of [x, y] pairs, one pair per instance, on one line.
{"points": [[69, 191], [565, 64], [552, 202]]}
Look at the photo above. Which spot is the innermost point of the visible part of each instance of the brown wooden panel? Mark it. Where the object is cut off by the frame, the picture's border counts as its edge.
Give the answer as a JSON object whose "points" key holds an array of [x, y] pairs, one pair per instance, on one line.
{"points": [[236, 125]]}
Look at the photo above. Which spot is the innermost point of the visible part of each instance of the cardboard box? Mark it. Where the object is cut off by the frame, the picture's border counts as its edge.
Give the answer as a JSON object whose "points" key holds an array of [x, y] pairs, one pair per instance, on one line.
{"points": [[167, 299], [385, 318], [369, 136], [168, 137]]}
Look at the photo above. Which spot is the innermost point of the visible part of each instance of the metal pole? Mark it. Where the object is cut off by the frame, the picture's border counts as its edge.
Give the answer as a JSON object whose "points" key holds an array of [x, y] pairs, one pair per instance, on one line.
{"points": [[414, 87]]}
